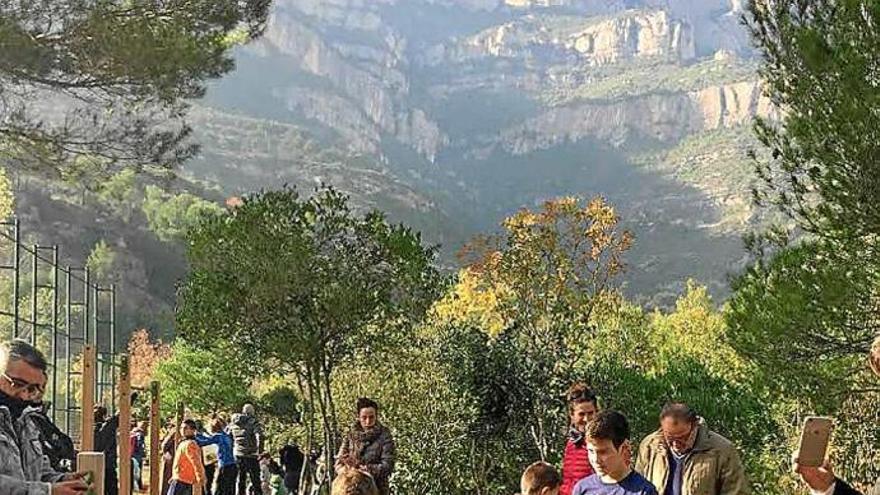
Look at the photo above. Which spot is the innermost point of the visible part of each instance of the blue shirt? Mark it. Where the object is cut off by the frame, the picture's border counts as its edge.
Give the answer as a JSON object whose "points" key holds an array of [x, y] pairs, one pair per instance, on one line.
{"points": [[633, 484], [676, 466], [224, 446]]}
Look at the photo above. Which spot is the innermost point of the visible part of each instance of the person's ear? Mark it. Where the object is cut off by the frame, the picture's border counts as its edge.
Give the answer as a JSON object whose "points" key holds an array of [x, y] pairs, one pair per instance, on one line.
{"points": [[626, 451]]}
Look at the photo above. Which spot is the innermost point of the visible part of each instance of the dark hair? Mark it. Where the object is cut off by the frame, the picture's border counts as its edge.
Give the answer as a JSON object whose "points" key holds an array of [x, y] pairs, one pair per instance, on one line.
{"points": [[678, 411], [19, 350], [217, 424], [579, 393], [190, 422], [609, 425], [100, 412], [364, 403], [539, 476]]}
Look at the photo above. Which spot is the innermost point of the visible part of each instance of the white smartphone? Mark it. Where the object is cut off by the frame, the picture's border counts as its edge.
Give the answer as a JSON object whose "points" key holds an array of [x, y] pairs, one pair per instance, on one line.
{"points": [[813, 446]]}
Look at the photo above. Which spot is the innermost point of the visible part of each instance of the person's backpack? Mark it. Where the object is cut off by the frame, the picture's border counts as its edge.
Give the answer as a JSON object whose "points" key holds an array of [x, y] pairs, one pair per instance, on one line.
{"points": [[57, 446]]}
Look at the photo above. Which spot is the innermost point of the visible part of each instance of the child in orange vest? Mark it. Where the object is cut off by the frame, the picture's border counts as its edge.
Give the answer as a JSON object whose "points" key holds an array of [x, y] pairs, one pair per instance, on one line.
{"points": [[188, 471]]}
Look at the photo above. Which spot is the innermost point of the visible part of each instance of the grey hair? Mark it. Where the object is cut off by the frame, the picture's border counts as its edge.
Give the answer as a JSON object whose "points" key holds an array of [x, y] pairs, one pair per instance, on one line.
{"points": [[19, 350], [679, 411], [248, 409]]}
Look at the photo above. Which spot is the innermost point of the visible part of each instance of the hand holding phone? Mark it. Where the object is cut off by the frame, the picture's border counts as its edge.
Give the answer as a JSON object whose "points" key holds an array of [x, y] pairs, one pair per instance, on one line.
{"points": [[813, 445]]}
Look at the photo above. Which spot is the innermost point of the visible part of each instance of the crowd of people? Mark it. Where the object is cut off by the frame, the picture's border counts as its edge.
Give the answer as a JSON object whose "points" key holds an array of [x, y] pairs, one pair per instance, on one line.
{"points": [[229, 458], [682, 457], [243, 467]]}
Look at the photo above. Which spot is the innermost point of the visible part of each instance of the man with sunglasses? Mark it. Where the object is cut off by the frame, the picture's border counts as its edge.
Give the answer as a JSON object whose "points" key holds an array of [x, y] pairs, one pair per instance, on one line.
{"points": [[24, 469], [684, 457]]}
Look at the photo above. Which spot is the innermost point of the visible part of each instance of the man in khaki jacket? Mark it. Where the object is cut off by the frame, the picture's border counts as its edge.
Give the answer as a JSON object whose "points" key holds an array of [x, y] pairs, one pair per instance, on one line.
{"points": [[684, 457]]}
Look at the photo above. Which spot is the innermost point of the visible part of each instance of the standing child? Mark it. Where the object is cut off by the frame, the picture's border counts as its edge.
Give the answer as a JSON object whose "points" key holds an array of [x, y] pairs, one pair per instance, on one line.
{"points": [[610, 453], [276, 478], [188, 473], [540, 479], [138, 446], [265, 473]]}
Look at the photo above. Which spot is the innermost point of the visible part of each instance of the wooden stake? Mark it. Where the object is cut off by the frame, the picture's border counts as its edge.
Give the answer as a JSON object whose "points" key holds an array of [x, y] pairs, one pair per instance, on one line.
{"points": [[124, 430], [92, 462], [87, 405], [155, 441]]}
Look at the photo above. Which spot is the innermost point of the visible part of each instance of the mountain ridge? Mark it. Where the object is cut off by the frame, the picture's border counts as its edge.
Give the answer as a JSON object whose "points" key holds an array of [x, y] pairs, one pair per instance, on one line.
{"points": [[475, 103]]}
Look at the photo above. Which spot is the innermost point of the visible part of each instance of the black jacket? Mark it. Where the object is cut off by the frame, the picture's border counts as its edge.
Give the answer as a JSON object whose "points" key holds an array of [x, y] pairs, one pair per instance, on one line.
{"points": [[842, 488]]}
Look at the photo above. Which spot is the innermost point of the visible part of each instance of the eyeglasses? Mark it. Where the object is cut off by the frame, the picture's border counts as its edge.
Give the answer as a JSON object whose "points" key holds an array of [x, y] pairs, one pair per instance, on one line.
{"points": [[685, 438], [19, 384]]}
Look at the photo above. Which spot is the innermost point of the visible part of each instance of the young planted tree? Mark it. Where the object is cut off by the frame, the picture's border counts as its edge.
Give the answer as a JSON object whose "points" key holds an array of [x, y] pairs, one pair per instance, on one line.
{"points": [[111, 79], [299, 285]]}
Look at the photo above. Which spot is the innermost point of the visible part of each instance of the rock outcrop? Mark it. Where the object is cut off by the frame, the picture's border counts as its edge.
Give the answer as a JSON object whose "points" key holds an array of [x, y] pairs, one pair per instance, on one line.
{"points": [[662, 117], [731, 105], [366, 93], [635, 35], [548, 39]]}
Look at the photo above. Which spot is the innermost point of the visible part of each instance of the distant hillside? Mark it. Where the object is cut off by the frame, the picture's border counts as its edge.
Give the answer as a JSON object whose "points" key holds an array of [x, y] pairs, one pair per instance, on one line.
{"points": [[461, 111]]}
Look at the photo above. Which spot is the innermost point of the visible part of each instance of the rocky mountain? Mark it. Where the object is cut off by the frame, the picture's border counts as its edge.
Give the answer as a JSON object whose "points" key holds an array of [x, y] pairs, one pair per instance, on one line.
{"points": [[458, 112]]}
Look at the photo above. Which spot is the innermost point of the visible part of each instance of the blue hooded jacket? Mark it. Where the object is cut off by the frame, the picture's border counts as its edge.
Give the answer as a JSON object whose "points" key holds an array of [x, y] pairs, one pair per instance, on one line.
{"points": [[224, 446]]}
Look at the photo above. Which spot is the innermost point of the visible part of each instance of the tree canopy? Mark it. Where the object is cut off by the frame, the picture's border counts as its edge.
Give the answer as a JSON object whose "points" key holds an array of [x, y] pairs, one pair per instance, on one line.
{"points": [[111, 78], [299, 285], [813, 295], [820, 64]]}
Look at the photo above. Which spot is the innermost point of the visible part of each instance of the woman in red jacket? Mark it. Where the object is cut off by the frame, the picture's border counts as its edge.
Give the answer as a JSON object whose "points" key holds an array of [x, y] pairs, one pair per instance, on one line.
{"points": [[582, 406]]}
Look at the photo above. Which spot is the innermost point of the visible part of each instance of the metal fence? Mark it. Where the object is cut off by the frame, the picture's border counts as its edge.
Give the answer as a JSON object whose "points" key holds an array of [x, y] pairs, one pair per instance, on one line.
{"points": [[59, 308]]}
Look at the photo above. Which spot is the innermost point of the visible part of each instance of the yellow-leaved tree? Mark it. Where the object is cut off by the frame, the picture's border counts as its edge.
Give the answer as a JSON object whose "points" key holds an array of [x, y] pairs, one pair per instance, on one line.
{"points": [[536, 290]]}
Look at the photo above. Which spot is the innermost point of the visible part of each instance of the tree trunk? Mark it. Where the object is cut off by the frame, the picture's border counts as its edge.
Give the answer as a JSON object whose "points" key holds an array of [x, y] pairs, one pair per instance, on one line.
{"points": [[305, 477], [327, 373], [316, 383]]}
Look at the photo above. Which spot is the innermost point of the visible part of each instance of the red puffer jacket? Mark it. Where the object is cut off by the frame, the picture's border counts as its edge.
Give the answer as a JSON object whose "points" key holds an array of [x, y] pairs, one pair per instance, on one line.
{"points": [[575, 465]]}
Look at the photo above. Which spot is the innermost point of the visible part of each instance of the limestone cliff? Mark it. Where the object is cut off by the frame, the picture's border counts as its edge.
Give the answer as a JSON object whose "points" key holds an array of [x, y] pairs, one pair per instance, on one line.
{"points": [[474, 100], [591, 41], [365, 92], [635, 34], [732, 104], [374, 78], [663, 117]]}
